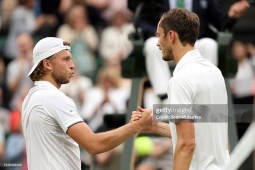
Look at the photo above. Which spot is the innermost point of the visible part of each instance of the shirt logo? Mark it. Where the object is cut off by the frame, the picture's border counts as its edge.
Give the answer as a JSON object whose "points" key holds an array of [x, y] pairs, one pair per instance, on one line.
{"points": [[72, 110]]}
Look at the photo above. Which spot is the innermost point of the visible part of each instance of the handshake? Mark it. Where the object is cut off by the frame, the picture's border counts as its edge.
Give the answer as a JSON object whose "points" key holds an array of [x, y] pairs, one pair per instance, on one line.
{"points": [[142, 120]]}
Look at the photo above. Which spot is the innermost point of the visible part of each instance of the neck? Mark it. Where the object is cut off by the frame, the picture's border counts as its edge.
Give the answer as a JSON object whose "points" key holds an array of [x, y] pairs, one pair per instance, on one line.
{"points": [[181, 51], [51, 80]]}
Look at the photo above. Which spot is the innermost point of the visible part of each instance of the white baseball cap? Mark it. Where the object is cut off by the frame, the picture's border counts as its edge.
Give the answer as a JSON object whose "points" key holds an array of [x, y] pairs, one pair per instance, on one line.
{"points": [[45, 48]]}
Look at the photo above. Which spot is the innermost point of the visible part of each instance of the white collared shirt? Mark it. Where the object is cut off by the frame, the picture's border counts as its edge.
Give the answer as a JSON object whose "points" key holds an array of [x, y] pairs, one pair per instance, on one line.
{"points": [[47, 113], [196, 81]]}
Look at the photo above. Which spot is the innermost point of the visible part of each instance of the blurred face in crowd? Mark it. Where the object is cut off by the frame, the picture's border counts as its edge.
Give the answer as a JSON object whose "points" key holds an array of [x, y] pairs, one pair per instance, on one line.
{"points": [[119, 19], [77, 17], [239, 50], [108, 78], [25, 43]]}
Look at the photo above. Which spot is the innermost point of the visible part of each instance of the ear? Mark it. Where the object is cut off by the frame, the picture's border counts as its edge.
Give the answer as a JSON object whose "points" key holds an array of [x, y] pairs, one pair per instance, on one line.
{"points": [[47, 65], [171, 36]]}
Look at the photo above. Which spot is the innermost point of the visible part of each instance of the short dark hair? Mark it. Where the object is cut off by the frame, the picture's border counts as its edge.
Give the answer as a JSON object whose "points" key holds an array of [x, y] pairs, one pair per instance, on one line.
{"points": [[185, 23]]}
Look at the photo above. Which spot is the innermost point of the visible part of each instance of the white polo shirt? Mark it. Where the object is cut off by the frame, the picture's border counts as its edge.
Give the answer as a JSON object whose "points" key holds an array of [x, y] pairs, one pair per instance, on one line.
{"points": [[196, 81], [47, 113]]}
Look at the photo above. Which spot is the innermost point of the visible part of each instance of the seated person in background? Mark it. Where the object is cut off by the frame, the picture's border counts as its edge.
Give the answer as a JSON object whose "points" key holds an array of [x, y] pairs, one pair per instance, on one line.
{"points": [[4, 92], [83, 39], [251, 49], [18, 68], [241, 84], [111, 97], [23, 20], [114, 38], [241, 88], [15, 143], [209, 12]]}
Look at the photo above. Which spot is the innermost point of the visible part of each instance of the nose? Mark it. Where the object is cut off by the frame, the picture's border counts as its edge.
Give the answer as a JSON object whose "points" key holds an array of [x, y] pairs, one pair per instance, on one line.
{"points": [[158, 44], [72, 65]]}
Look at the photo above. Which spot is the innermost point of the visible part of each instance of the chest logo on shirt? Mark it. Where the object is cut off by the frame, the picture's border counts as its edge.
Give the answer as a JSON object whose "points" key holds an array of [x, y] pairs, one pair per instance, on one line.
{"points": [[72, 110]]}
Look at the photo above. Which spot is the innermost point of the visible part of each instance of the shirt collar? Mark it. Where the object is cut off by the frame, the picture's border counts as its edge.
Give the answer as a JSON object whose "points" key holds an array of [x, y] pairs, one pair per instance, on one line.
{"points": [[189, 56], [44, 83]]}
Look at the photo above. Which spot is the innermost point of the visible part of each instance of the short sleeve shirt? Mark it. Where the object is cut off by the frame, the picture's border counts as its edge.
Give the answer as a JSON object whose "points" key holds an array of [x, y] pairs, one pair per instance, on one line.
{"points": [[47, 113], [196, 81]]}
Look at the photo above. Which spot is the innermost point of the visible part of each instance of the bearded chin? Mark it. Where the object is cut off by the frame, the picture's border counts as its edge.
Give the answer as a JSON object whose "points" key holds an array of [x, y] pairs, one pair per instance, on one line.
{"points": [[169, 55], [60, 79]]}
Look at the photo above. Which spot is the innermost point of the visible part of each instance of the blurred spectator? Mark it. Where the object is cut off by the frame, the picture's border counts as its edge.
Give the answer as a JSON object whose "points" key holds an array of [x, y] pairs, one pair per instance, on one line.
{"points": [[108, 160], [15, 144], [83, 38], [210, 13], [23, 21], [7, 8], [56, 10], [114, 62], [77, 88], [153, 153], [241, 84], [241, 88], [2, 70], [18, 69], [110, 97], [4, 116], [114, 38], [111, 93], [4, 99], [251, 50], [4, 129], [2, 144], [108, 8], [93, 13]]}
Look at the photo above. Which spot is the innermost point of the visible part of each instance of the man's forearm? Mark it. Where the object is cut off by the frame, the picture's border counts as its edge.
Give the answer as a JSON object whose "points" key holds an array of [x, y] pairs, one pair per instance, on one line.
{"points": [[110, 139], [162, 129], [183, 155], [100, 142]]}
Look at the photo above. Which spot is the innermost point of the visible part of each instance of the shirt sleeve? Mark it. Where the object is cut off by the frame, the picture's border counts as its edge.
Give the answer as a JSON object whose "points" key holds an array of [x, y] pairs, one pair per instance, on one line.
{"points": [[63, 110], [180, 91]]}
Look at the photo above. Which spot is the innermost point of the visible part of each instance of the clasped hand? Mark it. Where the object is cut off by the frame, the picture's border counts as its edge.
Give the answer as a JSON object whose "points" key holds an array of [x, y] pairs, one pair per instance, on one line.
{"points": [[144, 118]]}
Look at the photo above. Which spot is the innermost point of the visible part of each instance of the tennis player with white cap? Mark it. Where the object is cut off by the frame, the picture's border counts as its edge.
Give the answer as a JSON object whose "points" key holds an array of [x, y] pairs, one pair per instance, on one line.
{"points": [[52, 128]]}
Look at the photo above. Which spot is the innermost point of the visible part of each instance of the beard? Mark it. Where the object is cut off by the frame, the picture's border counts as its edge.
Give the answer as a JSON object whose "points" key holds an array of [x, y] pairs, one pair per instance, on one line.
{"points": [[60, 79], [168, 55]]}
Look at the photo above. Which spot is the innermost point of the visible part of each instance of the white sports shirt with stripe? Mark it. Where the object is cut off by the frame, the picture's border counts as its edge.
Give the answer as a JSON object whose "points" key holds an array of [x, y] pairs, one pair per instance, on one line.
{"points": [[47, 113]]}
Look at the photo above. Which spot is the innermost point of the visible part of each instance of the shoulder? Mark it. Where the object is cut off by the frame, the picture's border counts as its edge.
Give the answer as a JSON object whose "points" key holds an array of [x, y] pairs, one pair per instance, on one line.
{"points": [[56, 97], [181, 83]]}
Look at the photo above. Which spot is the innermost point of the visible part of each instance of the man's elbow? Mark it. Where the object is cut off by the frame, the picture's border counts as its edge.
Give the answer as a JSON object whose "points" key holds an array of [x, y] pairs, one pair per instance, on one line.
{"points": [[93, 149], [188, 146]]}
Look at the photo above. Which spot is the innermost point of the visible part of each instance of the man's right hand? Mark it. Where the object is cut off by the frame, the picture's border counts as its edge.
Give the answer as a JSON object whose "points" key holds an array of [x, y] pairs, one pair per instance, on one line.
{"points": [[142, 119]]}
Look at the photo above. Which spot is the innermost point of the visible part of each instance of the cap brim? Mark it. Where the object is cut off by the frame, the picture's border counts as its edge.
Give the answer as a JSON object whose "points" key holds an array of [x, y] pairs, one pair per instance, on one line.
{"points": [[32, 69]]}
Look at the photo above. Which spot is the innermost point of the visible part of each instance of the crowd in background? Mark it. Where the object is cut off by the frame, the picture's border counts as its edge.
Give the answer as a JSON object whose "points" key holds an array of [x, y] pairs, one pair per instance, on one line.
{"points": [[98, 32]]}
